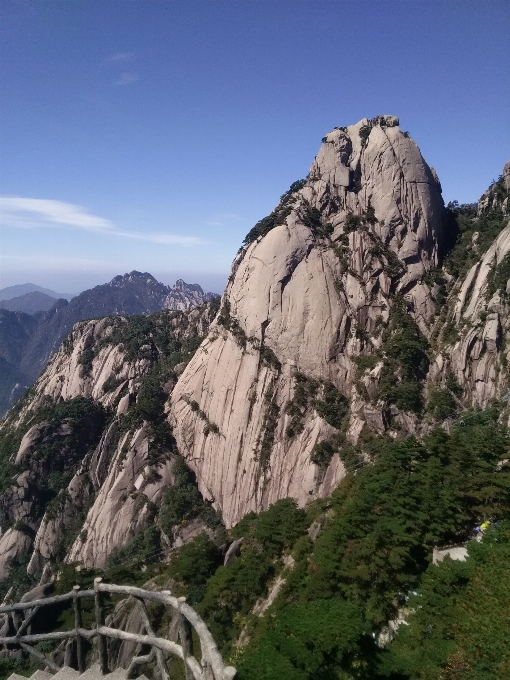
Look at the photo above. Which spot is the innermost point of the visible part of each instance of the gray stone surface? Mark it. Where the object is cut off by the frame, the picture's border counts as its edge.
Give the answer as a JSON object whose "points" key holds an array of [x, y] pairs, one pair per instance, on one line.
{"points": [[290, 291], [66, 673], [41, 675]]}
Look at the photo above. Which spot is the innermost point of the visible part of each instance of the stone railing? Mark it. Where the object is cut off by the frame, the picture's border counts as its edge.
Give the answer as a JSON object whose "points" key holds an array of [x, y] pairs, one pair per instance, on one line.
{"points": [[209, 666]]}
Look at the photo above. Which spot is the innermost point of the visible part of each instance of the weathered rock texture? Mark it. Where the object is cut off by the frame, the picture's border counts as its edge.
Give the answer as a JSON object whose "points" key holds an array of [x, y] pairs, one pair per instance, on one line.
{"points": [[185, 295], [325, 298], [481, 314], [117, 480], [310, 295]]}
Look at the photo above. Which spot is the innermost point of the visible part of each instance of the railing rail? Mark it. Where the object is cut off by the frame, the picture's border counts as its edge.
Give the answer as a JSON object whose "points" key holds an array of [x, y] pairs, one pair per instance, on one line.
{"points": [[210, 666]]}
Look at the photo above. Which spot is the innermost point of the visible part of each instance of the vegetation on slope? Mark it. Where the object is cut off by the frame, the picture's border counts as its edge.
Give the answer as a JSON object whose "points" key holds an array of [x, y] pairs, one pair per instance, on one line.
{"points": [[374, 550]]}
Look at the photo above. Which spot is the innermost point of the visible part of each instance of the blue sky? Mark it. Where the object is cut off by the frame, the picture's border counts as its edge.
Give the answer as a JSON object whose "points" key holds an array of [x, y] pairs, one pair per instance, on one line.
{"points": [[152, 135]]}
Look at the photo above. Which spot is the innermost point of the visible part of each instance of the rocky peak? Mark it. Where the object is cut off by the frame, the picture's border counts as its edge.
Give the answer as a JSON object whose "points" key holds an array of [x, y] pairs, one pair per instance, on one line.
{"points": [[128, 294], [133, 277], [496, 196], [185, 295], [506, 175], [183, 286], [308, 295]]}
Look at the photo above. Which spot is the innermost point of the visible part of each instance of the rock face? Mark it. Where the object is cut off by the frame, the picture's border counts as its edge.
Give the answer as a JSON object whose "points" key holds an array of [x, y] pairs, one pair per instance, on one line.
{"points": [[88, 475], [310, 294], [185, 295], [354, 309], [478, 358]]}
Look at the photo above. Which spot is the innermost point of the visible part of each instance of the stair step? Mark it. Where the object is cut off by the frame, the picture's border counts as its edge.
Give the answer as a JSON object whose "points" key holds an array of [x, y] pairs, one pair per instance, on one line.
{"points": [[41, 675], [92, 673], [117, 674], [66, 673]]}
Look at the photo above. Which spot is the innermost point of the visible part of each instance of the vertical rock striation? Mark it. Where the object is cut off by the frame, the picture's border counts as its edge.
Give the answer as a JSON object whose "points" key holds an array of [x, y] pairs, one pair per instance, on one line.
{"points": [[308, 293]]}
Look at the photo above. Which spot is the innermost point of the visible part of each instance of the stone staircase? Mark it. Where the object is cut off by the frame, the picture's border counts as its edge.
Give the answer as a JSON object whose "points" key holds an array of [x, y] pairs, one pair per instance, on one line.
{"points": [[67, 673]]}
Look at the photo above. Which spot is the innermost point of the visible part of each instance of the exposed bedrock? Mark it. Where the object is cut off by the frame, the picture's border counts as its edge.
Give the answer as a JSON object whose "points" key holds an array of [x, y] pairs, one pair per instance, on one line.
{"points": [[308, 296]]}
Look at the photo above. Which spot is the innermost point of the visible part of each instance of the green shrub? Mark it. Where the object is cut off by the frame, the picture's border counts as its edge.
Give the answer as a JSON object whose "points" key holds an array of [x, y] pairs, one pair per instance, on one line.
{"points": [[364, 133], [405, 360], [194, 564], [232, 592], [314, 641], [352, 222], [269, 424], [85, 362], [322, 454], [294, 187], [498, 278], [333, 407], [441, 404], [183, 501], [459, 626], [143, 549], [305, 390], [264, 226], [279, 526], [463, 222]]}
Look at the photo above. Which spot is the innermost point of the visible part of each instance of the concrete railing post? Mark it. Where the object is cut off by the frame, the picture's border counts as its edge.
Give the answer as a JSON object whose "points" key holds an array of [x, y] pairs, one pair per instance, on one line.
{"points": [[77, 626], [99, 612]]}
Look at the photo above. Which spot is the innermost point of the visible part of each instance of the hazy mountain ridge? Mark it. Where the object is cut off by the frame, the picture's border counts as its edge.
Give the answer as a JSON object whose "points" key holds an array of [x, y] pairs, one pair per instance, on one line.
{"points": [[29, 303], [23, 288], [134, 293]]}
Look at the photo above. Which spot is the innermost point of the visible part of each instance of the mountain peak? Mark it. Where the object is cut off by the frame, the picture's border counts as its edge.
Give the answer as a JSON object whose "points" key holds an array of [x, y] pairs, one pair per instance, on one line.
{"points": [[133, 277], [183, 286], [185, 295], [309, 293]]}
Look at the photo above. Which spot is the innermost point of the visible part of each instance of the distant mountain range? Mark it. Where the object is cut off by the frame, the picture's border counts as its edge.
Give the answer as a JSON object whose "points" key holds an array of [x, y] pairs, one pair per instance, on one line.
{"points": [[30, 303], [24, 288], [28, 340]]}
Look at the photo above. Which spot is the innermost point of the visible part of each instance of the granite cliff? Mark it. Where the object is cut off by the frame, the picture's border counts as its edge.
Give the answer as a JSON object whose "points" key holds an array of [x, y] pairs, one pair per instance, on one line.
{"points": [[361, 306], [310, 293], [333, 324], [86, 452]]}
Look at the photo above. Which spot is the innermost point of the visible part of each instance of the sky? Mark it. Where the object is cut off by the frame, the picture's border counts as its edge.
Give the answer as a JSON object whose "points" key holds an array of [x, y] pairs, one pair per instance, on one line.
{"points": [[153, 134]]}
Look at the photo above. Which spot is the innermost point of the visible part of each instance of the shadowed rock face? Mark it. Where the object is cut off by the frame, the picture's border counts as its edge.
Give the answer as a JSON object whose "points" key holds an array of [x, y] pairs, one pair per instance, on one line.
{"points": [[115, 480], [479, 357], [367, 222]]}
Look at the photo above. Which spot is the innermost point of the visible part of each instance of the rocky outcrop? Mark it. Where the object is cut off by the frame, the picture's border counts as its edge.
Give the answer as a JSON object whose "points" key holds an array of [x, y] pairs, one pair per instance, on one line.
{"points": [[185, 295], [123, 501], [78, 424], [341, 319], [481, 314], [309, 295]]}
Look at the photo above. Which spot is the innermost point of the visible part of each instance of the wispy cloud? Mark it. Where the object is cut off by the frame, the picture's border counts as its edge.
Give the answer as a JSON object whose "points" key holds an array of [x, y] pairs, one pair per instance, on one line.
{"points": [[16, 211], [51, 264], [120, 57], [127, 78], [33, 213], [119, 60], [224, 219]]}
